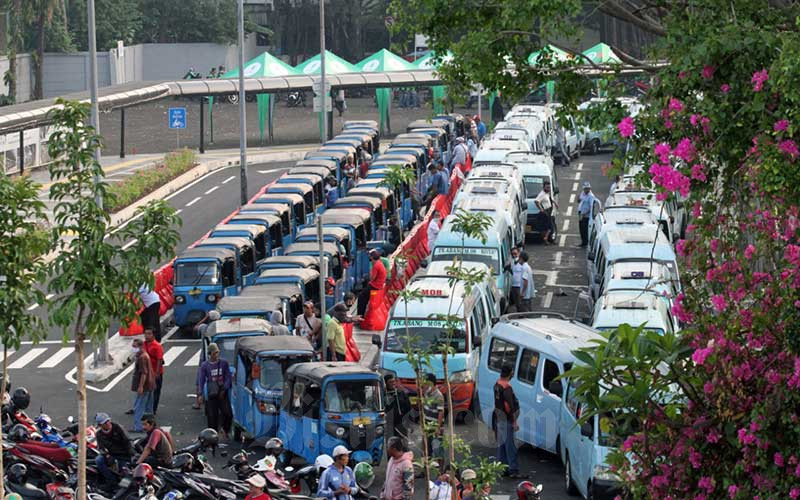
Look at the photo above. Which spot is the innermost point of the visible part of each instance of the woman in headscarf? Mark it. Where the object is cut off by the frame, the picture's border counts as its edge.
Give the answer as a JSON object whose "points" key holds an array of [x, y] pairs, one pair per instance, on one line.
{"points": [[276, 322]]}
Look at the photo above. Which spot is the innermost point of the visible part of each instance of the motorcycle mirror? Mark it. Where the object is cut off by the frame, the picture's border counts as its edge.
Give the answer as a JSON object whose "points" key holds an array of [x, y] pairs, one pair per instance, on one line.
{"points": [[71, 419], [289, 468]]}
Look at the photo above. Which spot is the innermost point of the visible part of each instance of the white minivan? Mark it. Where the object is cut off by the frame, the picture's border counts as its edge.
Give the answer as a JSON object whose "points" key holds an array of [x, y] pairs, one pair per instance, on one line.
{"points": [[536, 170]]}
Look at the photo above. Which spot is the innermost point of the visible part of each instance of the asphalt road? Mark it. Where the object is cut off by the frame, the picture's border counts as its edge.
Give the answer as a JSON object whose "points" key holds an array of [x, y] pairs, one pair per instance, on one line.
{"points": [[559, 276]]}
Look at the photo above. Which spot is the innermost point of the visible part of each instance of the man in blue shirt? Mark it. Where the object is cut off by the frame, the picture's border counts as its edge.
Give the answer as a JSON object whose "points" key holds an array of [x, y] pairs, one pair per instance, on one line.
{"points": [[442, 180], [481, 127], [585, 211], [459, 153], [338, 482]]}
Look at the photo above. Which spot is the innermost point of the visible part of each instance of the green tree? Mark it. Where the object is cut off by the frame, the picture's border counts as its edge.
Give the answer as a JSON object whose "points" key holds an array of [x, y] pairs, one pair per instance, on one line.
{"points": [[23, 245], [92, 276], [211, 21], [396, 178], [114, 20], [16, 29]]}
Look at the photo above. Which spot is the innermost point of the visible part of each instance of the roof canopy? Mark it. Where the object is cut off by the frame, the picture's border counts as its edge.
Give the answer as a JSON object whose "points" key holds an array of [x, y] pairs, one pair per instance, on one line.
{"points": [[558, 55], [261, 66], [334, 65], [384, 60], [428, 62], [601, 54]]}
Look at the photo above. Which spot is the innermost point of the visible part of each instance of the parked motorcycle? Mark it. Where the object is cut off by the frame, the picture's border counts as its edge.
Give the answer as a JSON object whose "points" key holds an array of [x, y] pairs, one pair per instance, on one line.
{"points": [[296, 98]]}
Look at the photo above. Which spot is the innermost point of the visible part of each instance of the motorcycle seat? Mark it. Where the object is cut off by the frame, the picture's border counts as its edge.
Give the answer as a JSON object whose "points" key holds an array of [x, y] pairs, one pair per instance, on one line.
{"points": [[26, 490]]}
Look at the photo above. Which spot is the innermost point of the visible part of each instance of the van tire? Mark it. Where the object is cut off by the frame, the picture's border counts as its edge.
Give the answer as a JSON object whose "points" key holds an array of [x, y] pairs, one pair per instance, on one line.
{"points": [[569, 483], [594, 147]]}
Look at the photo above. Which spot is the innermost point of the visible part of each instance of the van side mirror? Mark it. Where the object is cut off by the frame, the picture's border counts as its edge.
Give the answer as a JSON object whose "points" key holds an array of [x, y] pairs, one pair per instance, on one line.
{"points": [[423, 263], [587, 430], [476, 341], [376, 340], [597, 278], [556, 388], [590, 256]]}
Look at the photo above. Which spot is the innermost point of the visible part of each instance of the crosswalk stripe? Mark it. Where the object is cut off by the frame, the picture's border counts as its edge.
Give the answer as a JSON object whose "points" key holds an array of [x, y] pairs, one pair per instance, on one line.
{"points": [[26, 358], [57, 358], [194, 360], [172, 354]]}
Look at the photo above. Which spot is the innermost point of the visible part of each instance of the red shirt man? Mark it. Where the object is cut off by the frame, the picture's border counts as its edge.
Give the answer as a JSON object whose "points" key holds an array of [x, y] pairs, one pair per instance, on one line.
{"points": [[377, 276], [153, 349]]}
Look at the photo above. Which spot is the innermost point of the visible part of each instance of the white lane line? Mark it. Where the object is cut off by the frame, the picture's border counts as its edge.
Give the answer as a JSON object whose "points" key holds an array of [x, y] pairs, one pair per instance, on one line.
{"points": [[577, 176], [32, 307], [558, 258], [57, 358], [229, 179], [579, 167], [565, 226], [49, 296], [194, 360], [178, 211], [572, 198], [269, 171], [547, 300], [130, 244], [170, 333], [194, 201], [562, 241], [568, 213], [26, 358], [173, 353], [574, 186], [212, 190]]}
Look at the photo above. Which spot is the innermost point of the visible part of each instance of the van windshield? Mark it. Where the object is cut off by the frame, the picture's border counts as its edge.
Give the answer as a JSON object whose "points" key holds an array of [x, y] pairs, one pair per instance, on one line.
{"points": [[484, 255], [533, 185], [344, 396], [425, 333], [196, 273]]}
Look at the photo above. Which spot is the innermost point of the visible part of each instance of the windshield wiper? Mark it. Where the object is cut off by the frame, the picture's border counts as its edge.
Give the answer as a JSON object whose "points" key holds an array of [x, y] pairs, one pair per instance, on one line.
{"points": [[200, 278]]}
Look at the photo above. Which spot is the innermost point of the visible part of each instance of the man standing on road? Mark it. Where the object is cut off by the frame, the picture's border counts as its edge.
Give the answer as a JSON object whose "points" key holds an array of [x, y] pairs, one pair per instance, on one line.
{"points": [[276, 322], [433, 405], [481, 128], [397, 407], [459, 153], [506, 410], [377, 280], [338, 482], [115, 446], [215, 378], [308, 325], [585, 208], [515, 297], [337, 343], [544, 202], [150, 316], [156, 354], [142, 383], [442, 180], [399, 484], [528, 289], [434, 226]]}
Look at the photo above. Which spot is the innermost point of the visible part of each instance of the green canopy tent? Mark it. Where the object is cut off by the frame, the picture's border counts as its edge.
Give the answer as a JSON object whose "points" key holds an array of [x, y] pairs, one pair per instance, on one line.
{"points": [[553, 52], [439, 91], [381, 61], [334, 65], [601, 54], [265, 65]]}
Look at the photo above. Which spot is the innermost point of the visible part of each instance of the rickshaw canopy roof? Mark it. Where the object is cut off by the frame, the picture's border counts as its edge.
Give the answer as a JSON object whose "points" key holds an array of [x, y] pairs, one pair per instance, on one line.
{"points": [[216, 253], [318, 371], [295, 198], [296, 260], [435, 123], [361, 123], [305, 188], [259, 345], [256, 207], [421, 140], [354, 215], [428, 131], [328, 154], [407, 157], [310, 170], [371, 191], [281, 290], [339, 233], [312, 246], [355, 134], [343, 141], [227, 240], [253, 229], [338, 148], [268, 218], [238, 325], [316, 162], [303, 274], [357, 200], [264, 303], [314, 177]]}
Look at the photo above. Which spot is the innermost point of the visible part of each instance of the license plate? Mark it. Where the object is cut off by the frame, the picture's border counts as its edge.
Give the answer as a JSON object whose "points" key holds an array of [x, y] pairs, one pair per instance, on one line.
{"points": [[361, 420], [528, 227], [413, 401]]}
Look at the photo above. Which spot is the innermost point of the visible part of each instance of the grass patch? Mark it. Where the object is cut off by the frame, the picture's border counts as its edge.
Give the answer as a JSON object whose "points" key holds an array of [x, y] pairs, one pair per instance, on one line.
{"points": [[145, 181]]}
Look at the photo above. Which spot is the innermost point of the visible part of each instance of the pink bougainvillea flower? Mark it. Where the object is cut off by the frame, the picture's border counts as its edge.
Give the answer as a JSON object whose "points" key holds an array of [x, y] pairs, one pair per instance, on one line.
{"points": [[794, 493], [698, 172], [626, 127], [758, 80], [694, 120], [682, 75], [706, 483], [719, 303], [699, 355], [668, 124], [662, 150], [749, 251], [685, 149], [732, 489], [781, 125], [725, 88], [708, 72], [675, 105], [789, 147], [778, 459]]}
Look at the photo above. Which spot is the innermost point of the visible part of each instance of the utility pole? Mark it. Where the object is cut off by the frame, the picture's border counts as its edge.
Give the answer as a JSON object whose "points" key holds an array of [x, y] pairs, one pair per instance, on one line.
{"points": [[242, 111], [322, 72], [94, 118]]}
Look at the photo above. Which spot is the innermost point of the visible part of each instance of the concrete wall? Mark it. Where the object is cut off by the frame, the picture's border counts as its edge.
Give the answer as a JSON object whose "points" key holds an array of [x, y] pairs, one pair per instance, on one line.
{"points": [[24, 76], [68, 73]]}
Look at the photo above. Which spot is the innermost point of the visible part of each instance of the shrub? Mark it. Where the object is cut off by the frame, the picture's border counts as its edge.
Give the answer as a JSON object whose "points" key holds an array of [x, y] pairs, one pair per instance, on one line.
{"points": [[147, 180]]}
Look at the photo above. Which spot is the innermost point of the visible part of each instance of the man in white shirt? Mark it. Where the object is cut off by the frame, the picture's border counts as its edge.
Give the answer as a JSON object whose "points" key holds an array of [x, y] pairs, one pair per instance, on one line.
{"points": [[150, 317], [545, 202], [614, 185], [515, 298], [528, 288], [308, 324], [433, 230]]}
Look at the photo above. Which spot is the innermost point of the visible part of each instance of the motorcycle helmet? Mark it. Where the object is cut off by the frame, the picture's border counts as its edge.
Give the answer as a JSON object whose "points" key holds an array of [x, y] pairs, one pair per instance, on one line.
{"points": [[364, 475], [19, 433], [14, 496], [527, 491], [20, 398], [274, 447], [143, 473], [18, 473], [208, 438], [322, 462], [43, 421], [184, 462], [173, 495]]}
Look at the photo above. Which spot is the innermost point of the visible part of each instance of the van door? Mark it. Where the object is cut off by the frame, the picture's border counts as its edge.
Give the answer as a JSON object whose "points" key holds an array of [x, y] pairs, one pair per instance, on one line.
{"points": [[575, 445], [524, 384], [243, 403], [548, 406], [501, 353]]}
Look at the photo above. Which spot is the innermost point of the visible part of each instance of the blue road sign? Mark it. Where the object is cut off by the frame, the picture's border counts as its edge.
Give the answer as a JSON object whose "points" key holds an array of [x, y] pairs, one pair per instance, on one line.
{"points": [[177, 117]]}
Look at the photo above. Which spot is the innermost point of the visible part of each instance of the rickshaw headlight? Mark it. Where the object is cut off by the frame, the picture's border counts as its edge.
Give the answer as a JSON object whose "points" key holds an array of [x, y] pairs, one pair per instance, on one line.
{"points": [[180, 299], [211, 298], [267, 408], [336, 430]]}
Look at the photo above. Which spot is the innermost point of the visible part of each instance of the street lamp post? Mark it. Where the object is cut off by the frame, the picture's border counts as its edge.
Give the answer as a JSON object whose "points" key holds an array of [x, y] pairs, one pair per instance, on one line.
{"points": [[242, 111]]}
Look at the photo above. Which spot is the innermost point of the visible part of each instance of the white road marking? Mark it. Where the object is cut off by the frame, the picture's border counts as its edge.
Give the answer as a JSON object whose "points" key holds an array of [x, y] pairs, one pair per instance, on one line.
{"points": [[194, 360], [568, 213], [579, 167], [547, 300], [212, 190], [194, 201], [169, 334], [572, 198], [229, 179], [129, 244], [269, 171], [562, 241], [173, 353], [49, 296], [57, 358], [178, 211], [565, 226], [32, 307], [558, 258], [26, 358], [574, 186], [577, 176]]}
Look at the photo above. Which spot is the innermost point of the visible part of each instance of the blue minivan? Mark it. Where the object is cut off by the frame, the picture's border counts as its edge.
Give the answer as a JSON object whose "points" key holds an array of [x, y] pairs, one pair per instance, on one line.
{"points": [[202, 276]]}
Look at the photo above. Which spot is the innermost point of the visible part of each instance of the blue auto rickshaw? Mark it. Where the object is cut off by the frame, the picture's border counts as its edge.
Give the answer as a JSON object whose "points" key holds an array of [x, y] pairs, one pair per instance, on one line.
{"points": [[259, 365], [305, 191], [360, 233], [281, 210], [325, 405], [321, 161], [364, 137], [225, 333], [295, 201], [314, 179], [391, 204], [407, 159], [372, 206], [202, 276], [245, 252], [336, 270], [254, 232], [272, 223], [249, 306], [364, 128], [306, 279], [290, 294], [296, 261]]}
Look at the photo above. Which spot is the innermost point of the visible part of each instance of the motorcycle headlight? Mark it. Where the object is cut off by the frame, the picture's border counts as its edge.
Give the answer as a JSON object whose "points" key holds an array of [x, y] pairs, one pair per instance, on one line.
{"points": [[211, 298], [604, 473], [462, 377], [180, 299]]}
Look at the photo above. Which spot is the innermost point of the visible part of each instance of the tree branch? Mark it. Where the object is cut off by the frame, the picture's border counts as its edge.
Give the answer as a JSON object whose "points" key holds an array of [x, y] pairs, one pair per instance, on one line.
{"points": [[629, 59], [614, 9]]}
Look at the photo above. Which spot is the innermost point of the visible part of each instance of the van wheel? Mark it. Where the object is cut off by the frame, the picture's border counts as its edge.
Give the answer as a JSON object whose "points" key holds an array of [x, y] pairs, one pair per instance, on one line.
{"points": [[594, 147], [569, 485]]}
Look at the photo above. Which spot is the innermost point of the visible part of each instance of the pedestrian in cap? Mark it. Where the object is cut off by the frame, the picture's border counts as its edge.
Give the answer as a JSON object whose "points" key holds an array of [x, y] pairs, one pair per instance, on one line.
{"points": [[257, 484], [112, 438], [466, 489], [338, 482], [214, 379], [587, 207]]}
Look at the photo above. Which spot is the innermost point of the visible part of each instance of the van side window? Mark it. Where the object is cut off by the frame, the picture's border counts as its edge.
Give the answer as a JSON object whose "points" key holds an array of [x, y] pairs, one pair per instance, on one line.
{"points": [[502, 353], [296, 404], [528, 364], [478, 321], [550, 373], [572, 401]]}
